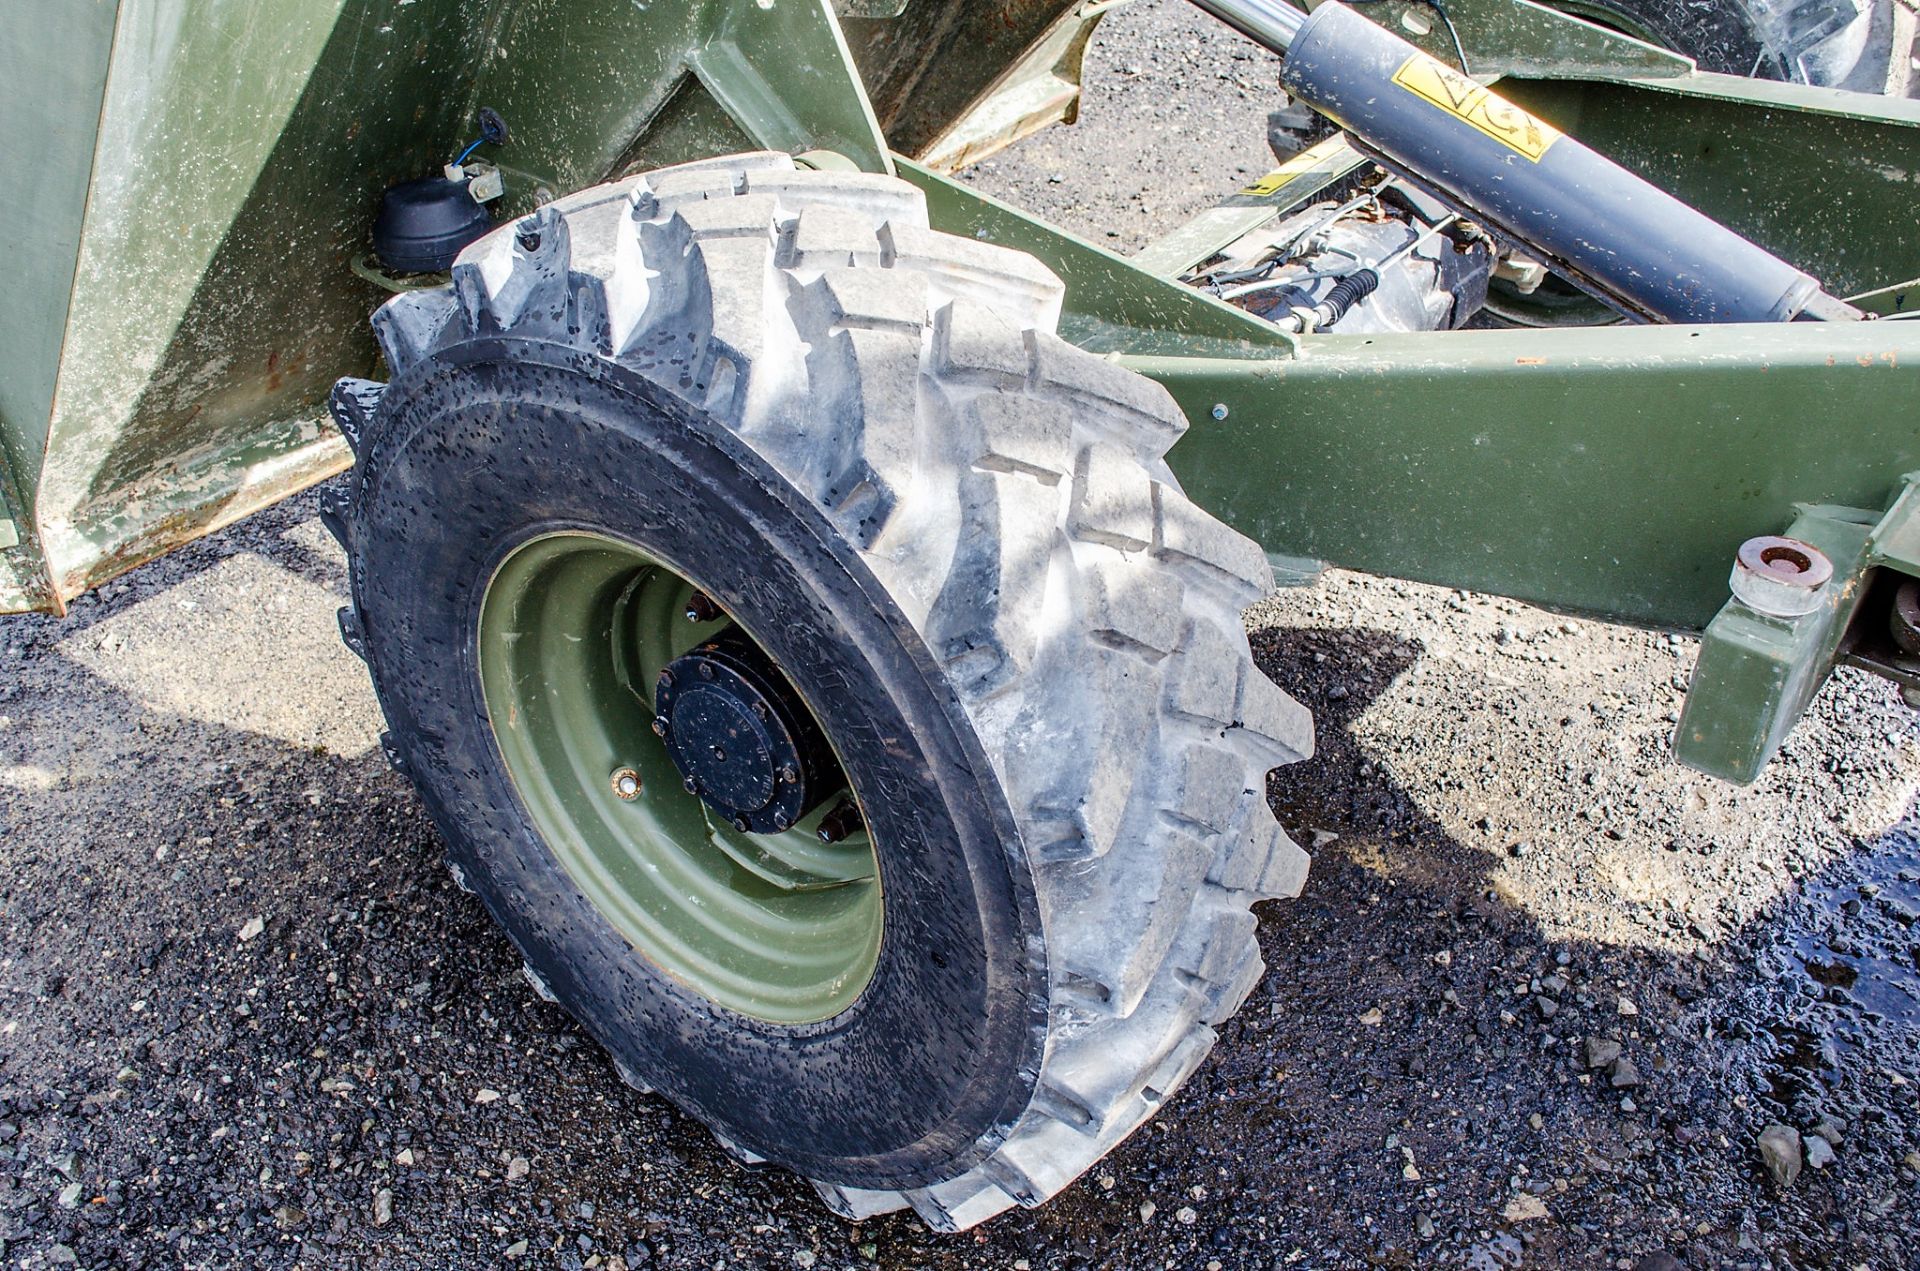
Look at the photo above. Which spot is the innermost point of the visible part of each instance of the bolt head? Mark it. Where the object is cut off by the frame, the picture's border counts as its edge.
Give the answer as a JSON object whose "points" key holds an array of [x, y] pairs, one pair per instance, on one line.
{"points": [[706, 670], [740, 824], [1219, 410], [781, 820], [789, 774], [692, 786], [660, 725], [626, 784]]}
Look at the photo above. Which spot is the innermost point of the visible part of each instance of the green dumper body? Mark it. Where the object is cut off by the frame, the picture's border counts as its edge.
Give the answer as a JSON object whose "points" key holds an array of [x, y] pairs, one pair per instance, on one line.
{"points": [[191, 184]]}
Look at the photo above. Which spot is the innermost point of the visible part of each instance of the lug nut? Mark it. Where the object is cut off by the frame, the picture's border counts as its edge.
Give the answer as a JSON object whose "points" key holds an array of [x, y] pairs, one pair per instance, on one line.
{"points": [[692, 786], [665, 681], [789, 774], [781, 821], [660, 725], [740, 824], [626, 784], [839, 823], [700, 608], [706, 670]]}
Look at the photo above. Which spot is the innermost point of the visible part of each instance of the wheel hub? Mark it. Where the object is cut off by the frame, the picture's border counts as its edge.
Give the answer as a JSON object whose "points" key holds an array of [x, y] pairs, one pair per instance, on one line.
{"points": [[740, 736]]}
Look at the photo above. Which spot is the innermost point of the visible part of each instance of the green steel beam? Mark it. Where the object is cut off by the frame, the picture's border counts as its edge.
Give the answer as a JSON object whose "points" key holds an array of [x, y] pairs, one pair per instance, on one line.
{"points": [[1112, 304], [1608, 471]]}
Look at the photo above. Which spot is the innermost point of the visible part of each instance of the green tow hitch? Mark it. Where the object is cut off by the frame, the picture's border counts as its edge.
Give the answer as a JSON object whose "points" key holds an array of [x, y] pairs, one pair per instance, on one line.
{"points": [[1840, 588]]}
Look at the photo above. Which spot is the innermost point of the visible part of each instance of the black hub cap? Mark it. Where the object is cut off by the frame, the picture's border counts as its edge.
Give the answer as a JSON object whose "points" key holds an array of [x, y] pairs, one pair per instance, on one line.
{"points": [[741, 737]]}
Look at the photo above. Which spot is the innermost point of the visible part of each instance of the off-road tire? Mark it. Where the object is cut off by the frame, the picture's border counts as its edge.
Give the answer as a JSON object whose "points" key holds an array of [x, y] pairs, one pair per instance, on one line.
{"points": [[935, 476]]}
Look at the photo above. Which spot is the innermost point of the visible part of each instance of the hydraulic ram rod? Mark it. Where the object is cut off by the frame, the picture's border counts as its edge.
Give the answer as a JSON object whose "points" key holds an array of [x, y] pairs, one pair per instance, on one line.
{"points": [[1625, 240]]}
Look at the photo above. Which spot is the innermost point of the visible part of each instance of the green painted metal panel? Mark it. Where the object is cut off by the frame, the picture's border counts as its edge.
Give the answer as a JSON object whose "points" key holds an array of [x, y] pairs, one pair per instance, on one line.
{"points": [[1519, 37], [241, 149], [586, 79], [49, 111], [1610, 471], [932, 64]]}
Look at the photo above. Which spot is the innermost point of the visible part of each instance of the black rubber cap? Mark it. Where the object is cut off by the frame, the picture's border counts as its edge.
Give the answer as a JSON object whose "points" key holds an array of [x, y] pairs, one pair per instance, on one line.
{"points": [[423, 225]]}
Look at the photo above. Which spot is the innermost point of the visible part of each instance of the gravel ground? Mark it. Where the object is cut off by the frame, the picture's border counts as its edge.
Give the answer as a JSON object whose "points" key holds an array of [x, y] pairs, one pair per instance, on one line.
{"points": [[1543, 992]]}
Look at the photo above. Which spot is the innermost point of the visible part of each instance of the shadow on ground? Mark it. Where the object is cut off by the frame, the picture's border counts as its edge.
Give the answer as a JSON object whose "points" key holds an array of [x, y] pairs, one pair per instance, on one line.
{"points": [[367, 1081]]}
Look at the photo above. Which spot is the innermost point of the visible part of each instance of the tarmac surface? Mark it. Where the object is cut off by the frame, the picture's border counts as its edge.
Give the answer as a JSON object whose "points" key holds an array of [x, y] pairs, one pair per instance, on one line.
{"points": [[1542, 995]]}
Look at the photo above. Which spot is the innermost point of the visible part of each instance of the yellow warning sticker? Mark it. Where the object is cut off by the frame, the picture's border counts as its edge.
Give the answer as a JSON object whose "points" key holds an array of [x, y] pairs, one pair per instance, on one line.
{"points": [[1284, 175], [1476, 105]]}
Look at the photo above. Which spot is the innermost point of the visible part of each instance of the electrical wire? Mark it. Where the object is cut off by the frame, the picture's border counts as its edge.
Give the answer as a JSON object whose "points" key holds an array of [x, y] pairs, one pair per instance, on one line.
{"points": [[1391, 259]]}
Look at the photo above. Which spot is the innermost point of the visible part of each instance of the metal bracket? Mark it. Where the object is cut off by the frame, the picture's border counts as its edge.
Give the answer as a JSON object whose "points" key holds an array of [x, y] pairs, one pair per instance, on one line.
{"points": [[1758, 673], [1288, 186], [1519, 37]]}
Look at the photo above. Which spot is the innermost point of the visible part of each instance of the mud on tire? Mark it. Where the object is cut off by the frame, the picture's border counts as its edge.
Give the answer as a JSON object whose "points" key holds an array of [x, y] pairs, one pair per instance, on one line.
{"points": [[942, 488]]}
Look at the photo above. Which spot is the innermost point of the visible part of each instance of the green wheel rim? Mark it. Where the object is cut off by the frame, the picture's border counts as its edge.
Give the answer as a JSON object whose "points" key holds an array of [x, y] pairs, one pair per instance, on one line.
{"points": [[574, 630]]}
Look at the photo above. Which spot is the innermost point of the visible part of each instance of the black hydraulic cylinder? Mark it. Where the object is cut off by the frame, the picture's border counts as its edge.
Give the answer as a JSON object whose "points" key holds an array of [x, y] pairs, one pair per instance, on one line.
{"points": [[1582, 214]]}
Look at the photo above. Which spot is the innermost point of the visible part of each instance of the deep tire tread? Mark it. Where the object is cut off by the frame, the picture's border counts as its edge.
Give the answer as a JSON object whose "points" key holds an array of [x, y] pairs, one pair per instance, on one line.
{"points": [[910, 385]]}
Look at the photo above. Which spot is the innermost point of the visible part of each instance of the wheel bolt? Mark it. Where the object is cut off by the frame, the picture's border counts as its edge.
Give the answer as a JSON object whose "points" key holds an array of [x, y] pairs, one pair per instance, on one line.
{"points": [[700, 608], [665, 681], [659, 725], [626, 784], [840, 822], [789, 774], [706, 670], [693, 787], [740, 824], [781, 820]]}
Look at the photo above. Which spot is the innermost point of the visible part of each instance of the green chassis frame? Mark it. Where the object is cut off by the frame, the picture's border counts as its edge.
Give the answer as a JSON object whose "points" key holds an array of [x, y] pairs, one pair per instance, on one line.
{"points": [[176, 322]]}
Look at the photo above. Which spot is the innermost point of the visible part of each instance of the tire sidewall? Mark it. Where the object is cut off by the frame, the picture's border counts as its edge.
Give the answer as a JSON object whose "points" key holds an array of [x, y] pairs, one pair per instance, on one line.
{"points": [[497, 441]]}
